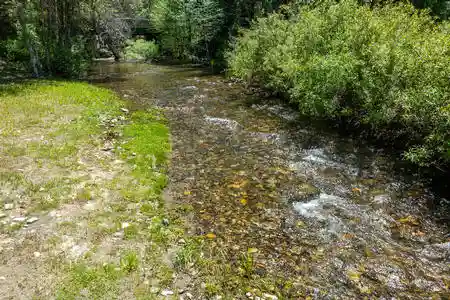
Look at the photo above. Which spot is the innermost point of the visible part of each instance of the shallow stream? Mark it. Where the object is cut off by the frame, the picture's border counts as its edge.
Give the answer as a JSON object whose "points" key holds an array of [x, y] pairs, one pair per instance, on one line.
{"points": [[329, 212]]}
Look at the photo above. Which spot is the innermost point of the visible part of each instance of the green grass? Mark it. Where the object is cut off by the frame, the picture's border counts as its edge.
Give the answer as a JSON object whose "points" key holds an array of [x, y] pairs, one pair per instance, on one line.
{"points": [[97, 282], [129, 262], [51, 136]]}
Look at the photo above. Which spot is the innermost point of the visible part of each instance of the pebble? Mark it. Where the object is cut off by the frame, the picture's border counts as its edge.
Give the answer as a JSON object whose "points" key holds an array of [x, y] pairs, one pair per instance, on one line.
{"points": [[9, 206], [37, 254], [32, 220], [118, 234], [189, 295], [167, 292], [381, 199], [125, 225], [154, 290], [107, 148], [123, 109], [269, 297], [165, 222], [2, 278], [249, 295], [19, 219]]}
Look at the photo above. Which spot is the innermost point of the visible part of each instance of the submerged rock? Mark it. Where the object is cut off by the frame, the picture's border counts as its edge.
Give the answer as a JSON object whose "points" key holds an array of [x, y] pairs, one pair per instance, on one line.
{"points": [[230, 124], [303, 192]]}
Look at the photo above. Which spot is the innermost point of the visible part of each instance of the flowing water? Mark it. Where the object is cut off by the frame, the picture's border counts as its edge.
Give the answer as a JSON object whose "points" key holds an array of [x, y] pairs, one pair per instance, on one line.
{"points": [[330, 213]]}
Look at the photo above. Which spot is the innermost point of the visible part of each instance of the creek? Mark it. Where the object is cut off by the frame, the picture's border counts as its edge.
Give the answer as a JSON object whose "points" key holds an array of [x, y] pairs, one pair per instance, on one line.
{"points": [[329, 212]]}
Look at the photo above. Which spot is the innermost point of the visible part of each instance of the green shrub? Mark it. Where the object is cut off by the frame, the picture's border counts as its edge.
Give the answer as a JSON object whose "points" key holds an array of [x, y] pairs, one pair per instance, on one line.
{"points": [[141, 50], [385, 69]]}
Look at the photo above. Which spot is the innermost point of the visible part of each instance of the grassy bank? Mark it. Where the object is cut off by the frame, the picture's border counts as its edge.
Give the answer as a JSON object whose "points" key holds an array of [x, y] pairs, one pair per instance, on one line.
{"points": [[383, 70], [80, 184]]}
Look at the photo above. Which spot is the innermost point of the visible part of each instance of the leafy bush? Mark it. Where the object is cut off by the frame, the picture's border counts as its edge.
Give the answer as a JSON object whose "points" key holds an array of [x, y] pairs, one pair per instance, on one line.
{"points": [[141, 50], [385, 69]]}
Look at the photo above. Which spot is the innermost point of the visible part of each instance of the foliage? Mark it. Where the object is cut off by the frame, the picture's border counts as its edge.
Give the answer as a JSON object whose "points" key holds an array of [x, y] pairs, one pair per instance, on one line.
{"points": [[129, 261], [141, 50], [60, 37], [380, 68], [187, 26]]}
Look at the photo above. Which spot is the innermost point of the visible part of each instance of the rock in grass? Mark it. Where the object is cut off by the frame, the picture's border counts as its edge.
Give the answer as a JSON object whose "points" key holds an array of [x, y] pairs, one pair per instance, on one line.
{"points": [[124, 110], [167, 292], [9, 206], [19, 219], [269, 297], [165, 222], [32, 220]]}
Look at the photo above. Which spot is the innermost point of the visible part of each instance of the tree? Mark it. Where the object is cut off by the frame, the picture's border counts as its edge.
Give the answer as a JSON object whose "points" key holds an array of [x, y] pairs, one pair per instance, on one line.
{"points": [[187, 26]]}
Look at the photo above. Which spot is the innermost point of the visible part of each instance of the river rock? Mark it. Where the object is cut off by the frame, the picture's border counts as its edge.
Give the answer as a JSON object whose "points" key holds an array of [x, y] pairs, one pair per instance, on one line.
{"points": [[166, 293], [19, 219], [379, 199], [303, 192], [32, 220], [269, 297]]}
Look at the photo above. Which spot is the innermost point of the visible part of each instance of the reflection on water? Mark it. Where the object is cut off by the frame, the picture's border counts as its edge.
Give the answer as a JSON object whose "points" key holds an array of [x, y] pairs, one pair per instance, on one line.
{"points": [[326, 211]]}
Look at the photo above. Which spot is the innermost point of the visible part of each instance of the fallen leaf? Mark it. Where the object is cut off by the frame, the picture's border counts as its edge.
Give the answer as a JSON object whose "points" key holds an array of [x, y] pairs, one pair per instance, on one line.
{"points": [[356, 190], [238, 185], [353, 275], [409, 220], [210, 235], [187, 193], [244, 201], [348, 236], [252, 250], [300, 224]]}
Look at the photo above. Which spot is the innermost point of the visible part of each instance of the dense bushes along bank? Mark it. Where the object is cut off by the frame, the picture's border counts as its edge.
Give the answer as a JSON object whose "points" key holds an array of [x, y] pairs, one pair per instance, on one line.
{"points": [[386, 69]]}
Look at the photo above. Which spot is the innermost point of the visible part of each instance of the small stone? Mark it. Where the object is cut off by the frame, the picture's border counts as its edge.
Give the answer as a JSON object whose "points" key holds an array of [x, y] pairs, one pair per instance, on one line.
{"points": [[37, 254], [9, 206], [2, 278], [381, 199], [249, 295], [19, 219], [269, 297], [154, 290], [181, 241], [125, 225], [123, 109], [189, 295], [167, 292], [165, 222], [32, 220], [107, 148]]}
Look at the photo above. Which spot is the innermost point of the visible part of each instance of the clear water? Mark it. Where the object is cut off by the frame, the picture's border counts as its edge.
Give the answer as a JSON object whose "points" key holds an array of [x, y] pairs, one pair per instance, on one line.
{"points": [[328, 212]]}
